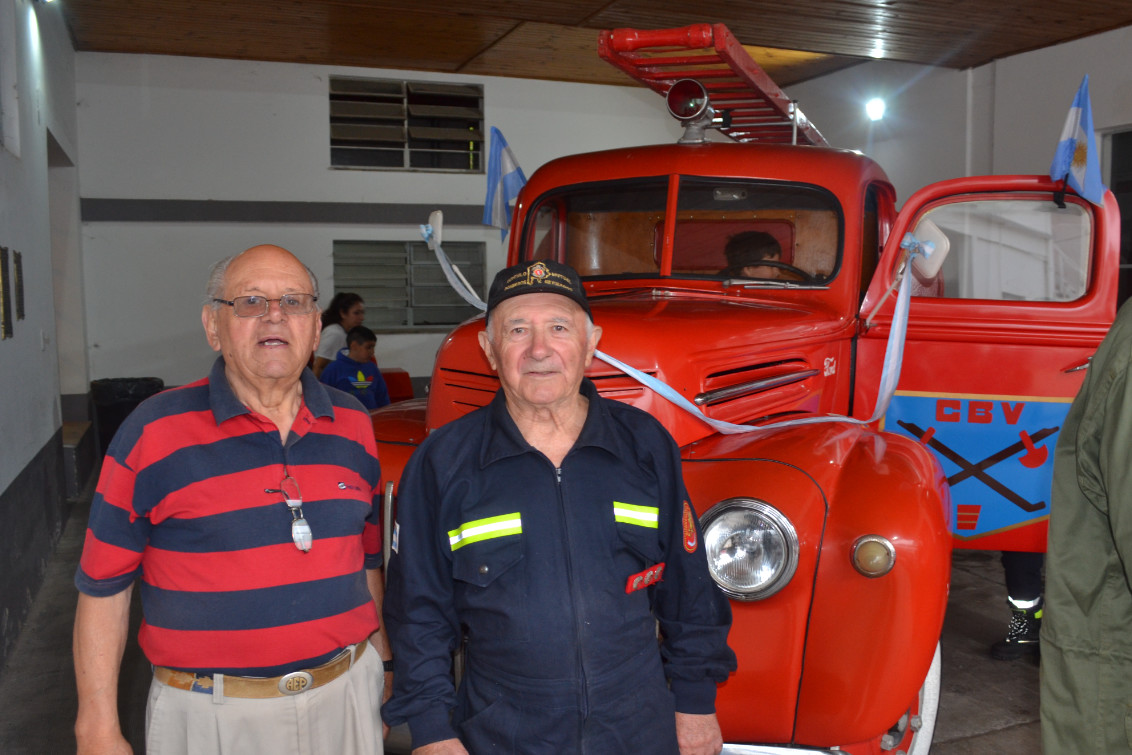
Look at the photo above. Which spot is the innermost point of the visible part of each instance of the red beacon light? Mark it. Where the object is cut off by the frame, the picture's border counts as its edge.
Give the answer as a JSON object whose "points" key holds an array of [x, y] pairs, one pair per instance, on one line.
{"points": [[688, 102]]}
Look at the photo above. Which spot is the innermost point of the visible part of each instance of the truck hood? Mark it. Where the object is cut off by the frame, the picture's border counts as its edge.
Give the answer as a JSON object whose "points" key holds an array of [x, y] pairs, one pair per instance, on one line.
{"points": [[740, 360], [682, 336]]}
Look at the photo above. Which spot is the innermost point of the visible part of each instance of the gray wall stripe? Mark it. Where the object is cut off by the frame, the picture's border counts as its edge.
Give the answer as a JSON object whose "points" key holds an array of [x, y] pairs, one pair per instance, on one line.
{"points": [[323, 213]]}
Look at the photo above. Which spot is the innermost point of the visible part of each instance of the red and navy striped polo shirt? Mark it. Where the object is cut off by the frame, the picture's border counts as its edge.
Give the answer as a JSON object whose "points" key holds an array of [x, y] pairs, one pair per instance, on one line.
{"points": [[188, 501]]}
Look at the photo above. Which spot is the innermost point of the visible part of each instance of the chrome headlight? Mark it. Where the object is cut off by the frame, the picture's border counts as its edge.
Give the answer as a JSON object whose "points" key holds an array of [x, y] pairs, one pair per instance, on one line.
{"points": [[752, 548]]}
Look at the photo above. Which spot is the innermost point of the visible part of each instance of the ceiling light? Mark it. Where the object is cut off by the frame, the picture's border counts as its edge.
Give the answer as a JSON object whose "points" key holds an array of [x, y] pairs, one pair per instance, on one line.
{"points": [[874, 108]]}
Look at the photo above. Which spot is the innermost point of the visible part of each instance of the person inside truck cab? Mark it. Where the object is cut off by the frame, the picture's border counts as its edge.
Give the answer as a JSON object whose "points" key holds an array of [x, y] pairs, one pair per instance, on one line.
{"points": [[746, 251], [551, 532]]}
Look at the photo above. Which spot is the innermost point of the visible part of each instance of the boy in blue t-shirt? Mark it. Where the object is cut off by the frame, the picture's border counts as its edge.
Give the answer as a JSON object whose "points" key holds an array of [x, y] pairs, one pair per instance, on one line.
{"points": [[355, 371]]}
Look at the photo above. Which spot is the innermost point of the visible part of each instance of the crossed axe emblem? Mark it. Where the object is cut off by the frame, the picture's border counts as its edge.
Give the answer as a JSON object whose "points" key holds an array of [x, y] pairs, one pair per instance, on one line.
{"points": [[1033, 458]]}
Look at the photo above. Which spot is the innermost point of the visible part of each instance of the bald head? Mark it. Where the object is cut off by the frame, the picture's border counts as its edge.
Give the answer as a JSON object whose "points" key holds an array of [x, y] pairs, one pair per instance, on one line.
{"points": [[274, 254], [265, 348]]}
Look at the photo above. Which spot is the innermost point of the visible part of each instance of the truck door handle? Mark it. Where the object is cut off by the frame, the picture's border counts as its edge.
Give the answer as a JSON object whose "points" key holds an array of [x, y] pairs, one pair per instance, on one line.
{"points": [[1077, 368]]}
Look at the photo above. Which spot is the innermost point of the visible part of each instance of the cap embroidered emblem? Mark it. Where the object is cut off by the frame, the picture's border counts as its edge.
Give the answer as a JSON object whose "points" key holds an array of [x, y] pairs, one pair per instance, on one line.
{"points": [[537, 277]]}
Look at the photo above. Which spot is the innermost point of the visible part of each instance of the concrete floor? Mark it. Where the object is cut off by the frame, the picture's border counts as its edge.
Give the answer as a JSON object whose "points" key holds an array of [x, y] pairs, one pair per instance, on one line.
{"points": [[986, 706]]}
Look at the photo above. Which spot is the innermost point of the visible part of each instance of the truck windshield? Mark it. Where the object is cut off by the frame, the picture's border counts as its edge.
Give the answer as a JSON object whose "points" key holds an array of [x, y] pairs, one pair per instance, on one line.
{"points": [[760, 232]]}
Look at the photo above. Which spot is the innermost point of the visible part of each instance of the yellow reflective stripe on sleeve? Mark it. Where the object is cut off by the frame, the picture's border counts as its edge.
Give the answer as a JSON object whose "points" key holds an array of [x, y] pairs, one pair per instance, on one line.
{"points": [[642, 516], [485, 529]]}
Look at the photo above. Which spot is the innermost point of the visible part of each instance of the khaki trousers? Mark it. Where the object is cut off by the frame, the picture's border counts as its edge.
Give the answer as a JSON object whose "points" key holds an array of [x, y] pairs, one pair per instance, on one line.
{"points": [[340, 718]]}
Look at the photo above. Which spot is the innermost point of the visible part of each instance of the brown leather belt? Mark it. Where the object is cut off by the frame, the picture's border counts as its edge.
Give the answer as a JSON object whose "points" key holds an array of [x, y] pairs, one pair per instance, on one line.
{"points": [[259, 688]]}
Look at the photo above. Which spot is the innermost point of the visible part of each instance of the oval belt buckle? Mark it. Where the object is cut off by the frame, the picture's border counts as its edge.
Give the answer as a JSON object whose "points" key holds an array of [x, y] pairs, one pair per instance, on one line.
{"points": [[295, 682]]}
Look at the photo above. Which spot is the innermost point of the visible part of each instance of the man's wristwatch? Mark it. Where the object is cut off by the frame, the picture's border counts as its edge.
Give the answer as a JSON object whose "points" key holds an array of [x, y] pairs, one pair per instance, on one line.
{"points": [[387, 665]]}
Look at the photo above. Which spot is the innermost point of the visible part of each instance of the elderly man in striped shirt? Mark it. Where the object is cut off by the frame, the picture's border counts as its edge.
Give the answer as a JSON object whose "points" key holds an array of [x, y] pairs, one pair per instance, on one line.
{"points": [[246, 506]]}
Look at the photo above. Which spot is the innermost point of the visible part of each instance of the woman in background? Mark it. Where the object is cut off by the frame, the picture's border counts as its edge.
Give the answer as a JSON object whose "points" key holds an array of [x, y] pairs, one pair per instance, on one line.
{"points": [[345, 311]]}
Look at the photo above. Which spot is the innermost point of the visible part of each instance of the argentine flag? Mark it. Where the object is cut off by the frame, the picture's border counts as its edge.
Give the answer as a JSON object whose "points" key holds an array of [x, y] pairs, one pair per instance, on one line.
{"points": [[1076, 158], [504, 179]]}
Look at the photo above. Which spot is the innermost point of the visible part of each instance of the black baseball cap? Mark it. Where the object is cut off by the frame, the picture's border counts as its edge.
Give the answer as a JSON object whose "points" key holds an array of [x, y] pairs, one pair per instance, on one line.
{"points": [[538, 277]]}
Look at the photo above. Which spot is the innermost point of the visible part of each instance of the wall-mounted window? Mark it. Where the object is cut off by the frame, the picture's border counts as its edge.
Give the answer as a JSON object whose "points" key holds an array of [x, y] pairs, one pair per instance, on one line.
{"points": [[386, 124], [403, 285]]}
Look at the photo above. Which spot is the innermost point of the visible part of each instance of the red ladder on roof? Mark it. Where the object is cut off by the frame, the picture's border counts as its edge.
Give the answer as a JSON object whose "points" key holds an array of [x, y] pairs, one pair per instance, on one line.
{"points": [[710, 54]]}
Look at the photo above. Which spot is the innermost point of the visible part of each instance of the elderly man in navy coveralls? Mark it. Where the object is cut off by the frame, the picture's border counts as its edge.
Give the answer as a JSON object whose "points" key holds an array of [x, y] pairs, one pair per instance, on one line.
{"points": [[246, 505], [553, 529]]}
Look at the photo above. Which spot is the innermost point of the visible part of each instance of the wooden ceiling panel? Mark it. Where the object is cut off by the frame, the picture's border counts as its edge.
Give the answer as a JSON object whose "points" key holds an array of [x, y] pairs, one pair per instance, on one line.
{"points": [[563, 53], [819, 28], [953, 33], [550, 39], [574, 13], [547, 51], [393, 40], [284, 30], [788, 67]]}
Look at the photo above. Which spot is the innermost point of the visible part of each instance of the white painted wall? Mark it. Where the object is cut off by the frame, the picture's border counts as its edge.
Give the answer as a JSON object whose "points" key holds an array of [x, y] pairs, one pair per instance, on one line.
{"points": [[190, 128], [67, 272], [1034, 92], [927, 128], [1005, 117], [187, 128], [145, 284], [44, 81]]}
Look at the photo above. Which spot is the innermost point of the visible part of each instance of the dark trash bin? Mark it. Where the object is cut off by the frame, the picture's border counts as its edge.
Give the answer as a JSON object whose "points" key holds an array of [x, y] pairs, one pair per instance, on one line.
{"points": [[114, 399]]}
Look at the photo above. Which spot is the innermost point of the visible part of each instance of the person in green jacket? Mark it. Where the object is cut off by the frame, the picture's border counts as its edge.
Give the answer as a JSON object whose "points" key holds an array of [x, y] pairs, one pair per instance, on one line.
{"points": [[1086, 635]]}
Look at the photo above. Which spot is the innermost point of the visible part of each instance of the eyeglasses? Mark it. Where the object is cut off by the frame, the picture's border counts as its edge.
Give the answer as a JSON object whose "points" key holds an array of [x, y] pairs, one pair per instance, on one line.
{"points": [[256, 306], [300, 530]]}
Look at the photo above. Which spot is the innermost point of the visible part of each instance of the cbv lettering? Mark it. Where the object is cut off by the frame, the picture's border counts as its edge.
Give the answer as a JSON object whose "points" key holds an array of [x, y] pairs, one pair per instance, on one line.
{"points": [[978, 412]]}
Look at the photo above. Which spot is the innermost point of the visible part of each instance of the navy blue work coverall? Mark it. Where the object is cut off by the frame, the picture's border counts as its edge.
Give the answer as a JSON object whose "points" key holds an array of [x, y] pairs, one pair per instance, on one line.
{"points": [[547, 572]]}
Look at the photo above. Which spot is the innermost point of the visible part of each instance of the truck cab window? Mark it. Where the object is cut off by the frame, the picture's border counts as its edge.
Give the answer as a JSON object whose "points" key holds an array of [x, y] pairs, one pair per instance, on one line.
{"points": [[745, 230], [1012, 250]]}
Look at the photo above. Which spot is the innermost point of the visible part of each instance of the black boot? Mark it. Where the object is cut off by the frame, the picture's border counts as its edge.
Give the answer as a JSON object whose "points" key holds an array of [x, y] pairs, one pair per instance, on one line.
{"points": [[1022, 634]]}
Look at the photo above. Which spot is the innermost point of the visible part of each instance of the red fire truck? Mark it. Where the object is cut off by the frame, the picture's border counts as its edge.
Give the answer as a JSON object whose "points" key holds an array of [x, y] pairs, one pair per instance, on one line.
{"points": [[829, 524]]}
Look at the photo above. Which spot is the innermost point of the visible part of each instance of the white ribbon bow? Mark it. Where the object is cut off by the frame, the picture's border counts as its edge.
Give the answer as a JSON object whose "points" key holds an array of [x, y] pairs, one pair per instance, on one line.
{"points": [[890, 374]]}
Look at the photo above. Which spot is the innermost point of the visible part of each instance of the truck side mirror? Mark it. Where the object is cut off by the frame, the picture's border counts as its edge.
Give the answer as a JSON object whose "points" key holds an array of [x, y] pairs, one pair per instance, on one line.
{"points": [[927, 231], [436, 220]]}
